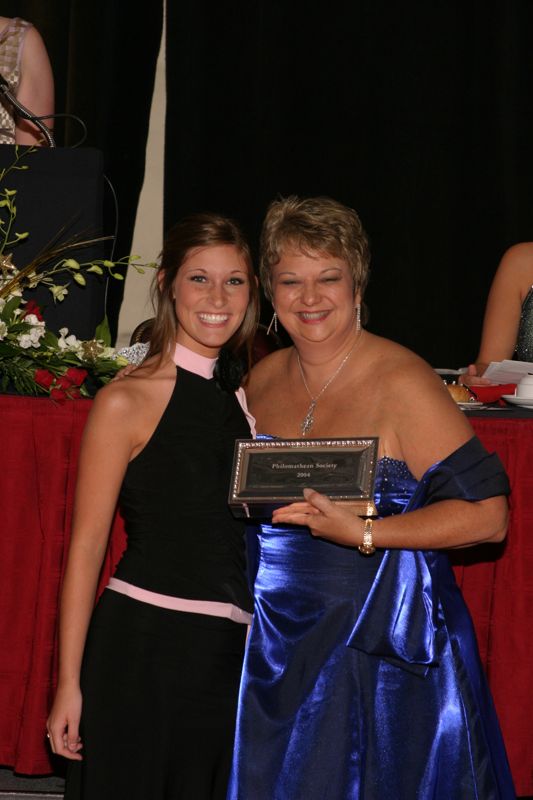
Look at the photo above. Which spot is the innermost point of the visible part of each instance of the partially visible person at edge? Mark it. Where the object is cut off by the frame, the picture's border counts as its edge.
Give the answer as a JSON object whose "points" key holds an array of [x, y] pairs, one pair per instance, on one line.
{"points": [[362, 677], [25, 65], [508, 323], [148, 681]]}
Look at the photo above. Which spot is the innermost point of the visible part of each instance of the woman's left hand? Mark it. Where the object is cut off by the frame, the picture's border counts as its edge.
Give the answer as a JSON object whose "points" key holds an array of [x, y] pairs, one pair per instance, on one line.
{"points": [[124, 372], [324, 518]]}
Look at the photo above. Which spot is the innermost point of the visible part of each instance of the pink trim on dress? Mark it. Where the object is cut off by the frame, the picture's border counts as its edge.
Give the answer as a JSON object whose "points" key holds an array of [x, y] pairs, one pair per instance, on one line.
{"points": [[241, 397], [194, 362], [209, 607]]}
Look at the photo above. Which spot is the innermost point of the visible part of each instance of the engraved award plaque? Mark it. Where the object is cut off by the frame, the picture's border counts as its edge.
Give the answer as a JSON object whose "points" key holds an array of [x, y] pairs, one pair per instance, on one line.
{"points": [[269, 473]]}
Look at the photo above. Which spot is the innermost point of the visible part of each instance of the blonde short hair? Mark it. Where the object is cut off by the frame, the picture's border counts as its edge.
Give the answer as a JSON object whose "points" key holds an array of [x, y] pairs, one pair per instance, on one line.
{"points": [[314, 225]]}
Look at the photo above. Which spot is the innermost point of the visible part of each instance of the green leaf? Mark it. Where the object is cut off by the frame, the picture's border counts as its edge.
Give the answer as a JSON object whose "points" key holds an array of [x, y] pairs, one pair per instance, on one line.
{"points": [[7, 350], [9, 307], [49, 340], [103, 333]]}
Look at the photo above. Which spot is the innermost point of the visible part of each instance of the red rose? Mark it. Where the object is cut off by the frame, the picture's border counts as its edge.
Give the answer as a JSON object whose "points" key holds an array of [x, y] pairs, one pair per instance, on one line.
{"points": [[62, 382], [58, 395], [31, 307], [76, 375], [43, 378]]}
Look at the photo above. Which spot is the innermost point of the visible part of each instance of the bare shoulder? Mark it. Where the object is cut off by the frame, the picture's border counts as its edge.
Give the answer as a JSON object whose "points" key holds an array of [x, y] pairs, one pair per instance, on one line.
{"points": [[397, 368], [116, 401], [422, 418], [516, 264], [34, 54], [408, 379], [133, 394]]}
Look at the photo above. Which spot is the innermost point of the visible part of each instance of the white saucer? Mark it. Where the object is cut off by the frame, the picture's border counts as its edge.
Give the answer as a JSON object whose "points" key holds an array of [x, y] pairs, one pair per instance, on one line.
{"points": [[525, 402], [473, 404]]}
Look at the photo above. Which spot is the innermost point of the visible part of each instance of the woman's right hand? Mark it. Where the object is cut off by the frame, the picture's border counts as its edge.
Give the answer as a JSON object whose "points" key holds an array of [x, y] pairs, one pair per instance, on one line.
{"points": [[471, 377], [63, 724]]}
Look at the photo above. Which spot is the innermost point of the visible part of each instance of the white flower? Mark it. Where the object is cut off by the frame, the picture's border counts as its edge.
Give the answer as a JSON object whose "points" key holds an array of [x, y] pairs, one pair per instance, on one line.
{"points": [[34, 321], [35, 334], [36, 331], [3, 328], [31, 337], [66, 342], [59, 292], [24, 340]]}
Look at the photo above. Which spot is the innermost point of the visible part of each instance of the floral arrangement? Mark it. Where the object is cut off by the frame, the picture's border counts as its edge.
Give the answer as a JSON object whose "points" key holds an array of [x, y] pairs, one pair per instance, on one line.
{"points": [[34, 360]]}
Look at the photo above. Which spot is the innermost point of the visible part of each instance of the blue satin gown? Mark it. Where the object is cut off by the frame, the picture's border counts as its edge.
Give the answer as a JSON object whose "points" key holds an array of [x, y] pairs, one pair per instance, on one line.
{"points": [[362, 678]]}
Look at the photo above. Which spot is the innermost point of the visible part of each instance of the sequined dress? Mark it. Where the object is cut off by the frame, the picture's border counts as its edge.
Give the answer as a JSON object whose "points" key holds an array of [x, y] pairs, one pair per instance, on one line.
{"points": [[524, 342], [362, 679]]}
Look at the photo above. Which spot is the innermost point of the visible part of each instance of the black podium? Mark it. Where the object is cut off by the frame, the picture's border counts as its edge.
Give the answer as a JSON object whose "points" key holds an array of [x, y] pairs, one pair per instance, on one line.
{"points": [[60, 196]]}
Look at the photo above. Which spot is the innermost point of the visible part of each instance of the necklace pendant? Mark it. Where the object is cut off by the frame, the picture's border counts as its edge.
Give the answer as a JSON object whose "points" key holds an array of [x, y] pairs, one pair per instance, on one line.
{"points": [[309, 419]]}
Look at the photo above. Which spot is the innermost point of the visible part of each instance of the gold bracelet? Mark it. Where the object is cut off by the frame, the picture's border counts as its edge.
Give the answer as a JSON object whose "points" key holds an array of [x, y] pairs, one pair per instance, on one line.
{"points": [[367, 545]]}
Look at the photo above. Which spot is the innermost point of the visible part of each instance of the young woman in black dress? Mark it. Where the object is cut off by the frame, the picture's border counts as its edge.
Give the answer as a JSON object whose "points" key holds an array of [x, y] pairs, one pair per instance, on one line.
{"points": [[148, 681]]}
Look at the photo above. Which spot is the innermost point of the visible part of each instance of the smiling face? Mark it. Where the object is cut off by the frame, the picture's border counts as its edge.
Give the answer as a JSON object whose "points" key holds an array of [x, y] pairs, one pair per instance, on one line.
{"points": [[212, 292], [313, 296]]}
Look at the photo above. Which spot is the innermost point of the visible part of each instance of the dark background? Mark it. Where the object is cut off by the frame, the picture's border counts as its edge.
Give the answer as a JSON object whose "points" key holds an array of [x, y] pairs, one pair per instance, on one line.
{"points": [[60, 201], [419, 115]]}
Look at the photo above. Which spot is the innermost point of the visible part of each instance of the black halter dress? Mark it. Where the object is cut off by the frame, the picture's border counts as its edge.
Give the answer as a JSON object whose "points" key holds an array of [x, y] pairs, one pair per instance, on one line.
{"points": [[160, 686]]}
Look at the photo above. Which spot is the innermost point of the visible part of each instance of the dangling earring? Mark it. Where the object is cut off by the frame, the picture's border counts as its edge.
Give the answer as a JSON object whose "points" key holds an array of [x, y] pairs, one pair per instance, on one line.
{"points": [[358, 317], [273, 322]]}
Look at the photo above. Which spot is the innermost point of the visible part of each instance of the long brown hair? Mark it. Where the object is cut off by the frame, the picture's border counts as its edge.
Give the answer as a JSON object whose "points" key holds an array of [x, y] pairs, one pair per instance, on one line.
{"points": [[190, 233]]}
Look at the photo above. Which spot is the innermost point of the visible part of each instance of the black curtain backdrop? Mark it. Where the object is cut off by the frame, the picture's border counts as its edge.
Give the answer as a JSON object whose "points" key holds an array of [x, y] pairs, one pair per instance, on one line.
{"points": [[416, 114]]}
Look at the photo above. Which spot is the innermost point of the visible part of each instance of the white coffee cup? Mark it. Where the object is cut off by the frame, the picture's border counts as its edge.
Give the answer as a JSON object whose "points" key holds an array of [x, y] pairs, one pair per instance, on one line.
{"points": [[525, 387]]}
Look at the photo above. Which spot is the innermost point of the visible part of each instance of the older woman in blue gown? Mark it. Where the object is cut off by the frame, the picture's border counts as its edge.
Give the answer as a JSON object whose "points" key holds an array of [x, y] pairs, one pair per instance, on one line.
{"points": [[362, 677]]}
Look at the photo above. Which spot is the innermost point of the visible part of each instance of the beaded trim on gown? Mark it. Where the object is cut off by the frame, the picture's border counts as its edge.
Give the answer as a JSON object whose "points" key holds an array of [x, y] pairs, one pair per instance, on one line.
{"points": [[362, 678]]}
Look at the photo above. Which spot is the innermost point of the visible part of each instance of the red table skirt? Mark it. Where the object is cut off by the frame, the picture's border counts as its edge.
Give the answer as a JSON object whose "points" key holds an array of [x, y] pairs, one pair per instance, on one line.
{"points": [[40, 444], [497, 584]]}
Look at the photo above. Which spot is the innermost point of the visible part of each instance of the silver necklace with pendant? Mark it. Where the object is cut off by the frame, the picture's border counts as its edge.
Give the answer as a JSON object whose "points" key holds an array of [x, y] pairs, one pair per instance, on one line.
{"points": [[309, 419]]}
